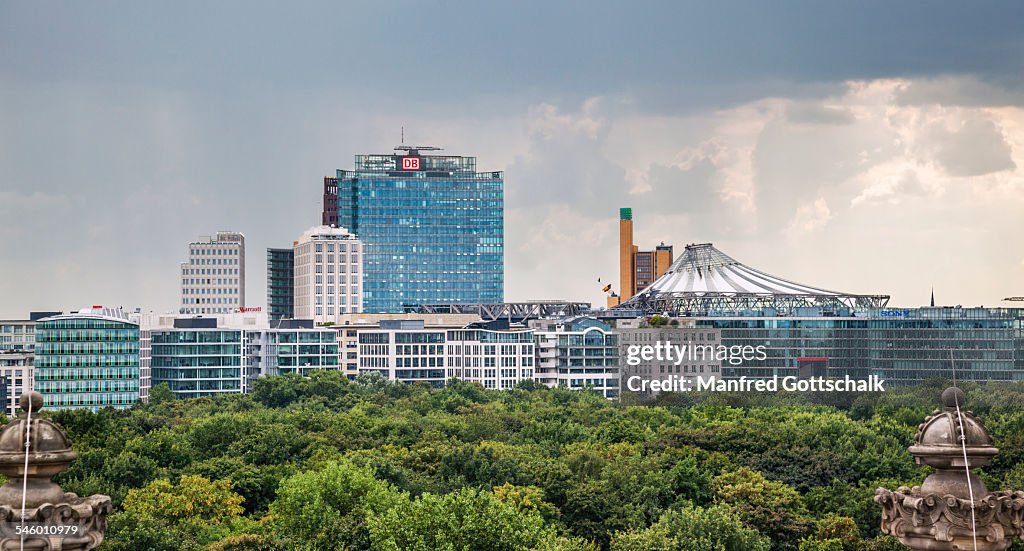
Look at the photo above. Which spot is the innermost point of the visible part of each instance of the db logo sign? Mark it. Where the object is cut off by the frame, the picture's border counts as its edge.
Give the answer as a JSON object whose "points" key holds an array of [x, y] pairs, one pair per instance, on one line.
{"points": [[410, 163]]}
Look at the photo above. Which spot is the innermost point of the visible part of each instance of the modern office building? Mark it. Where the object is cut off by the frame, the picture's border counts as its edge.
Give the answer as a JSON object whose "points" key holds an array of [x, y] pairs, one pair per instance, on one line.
{"points": [[637, 269], [650, 265], [204, 357], [145, 362], [350, 325], [197, 358], [494, 355], [433, 228], [280, 283], [330, 214], [404, 350], [806, 329], [17, 335], [900, 345], [15, 377], [17, 345], [328, 274], [578, 353], [636, 333], [213, 278], [248, 318], [87, 360], [291, 346]]}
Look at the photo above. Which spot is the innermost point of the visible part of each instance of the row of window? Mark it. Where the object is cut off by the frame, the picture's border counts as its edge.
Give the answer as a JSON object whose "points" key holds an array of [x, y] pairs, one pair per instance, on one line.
{"points": [[209, 271], [91, 400], [341, 247], [73, 374], [87, 335], [61, 387], [87, 361], [213, 261]]}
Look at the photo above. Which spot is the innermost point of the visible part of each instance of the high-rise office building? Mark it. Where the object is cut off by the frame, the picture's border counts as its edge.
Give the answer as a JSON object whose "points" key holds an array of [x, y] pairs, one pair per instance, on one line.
{"points": [[330, 214], [637, 269], [87, 360], [213, 279], [328, 274], [432, 225], [280, 283]]}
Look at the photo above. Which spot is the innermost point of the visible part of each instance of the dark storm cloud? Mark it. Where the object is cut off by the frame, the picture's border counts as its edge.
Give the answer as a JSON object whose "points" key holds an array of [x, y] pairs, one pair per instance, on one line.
{"points": [[446, 52], [976, 147], [136, 127]]}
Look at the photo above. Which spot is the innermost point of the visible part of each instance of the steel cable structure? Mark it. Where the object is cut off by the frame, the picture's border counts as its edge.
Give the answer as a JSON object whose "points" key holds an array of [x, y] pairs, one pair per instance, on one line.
{"points": [[704, 280]]}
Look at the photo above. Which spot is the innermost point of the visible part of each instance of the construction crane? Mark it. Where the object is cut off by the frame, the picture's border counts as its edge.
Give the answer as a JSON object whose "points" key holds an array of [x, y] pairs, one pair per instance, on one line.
{"points": [[1014, 299]]}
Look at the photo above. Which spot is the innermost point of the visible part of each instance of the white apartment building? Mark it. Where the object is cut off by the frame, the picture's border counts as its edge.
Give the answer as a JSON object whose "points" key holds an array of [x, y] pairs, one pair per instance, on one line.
{"points": [[328, 274], [16, 369], [17, 335], [17, 342], [405, 350], [213, 278], [497, 359], [349, 326], [578, 353]]}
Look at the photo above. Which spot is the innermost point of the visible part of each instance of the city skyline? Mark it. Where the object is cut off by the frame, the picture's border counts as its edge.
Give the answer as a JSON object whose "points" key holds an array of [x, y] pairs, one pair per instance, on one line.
{"points": [[894, 170]]}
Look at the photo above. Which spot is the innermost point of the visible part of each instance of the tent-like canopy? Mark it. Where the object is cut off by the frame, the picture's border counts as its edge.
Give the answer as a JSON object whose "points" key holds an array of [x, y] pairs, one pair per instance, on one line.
{"points": [[704, 279]]}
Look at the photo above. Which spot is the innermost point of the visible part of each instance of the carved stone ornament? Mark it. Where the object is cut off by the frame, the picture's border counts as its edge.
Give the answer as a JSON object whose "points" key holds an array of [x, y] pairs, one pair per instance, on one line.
{"points": [[939, 514], [53, 520]]}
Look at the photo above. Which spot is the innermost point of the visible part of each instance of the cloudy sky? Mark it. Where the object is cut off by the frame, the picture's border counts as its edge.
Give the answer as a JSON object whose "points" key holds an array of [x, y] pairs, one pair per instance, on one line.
{"points": [[873, 147]]}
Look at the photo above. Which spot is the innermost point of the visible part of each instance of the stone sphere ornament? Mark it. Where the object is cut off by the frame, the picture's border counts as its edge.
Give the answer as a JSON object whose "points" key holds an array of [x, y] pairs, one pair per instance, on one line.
{"points": [[53, 520], [940, 514]]}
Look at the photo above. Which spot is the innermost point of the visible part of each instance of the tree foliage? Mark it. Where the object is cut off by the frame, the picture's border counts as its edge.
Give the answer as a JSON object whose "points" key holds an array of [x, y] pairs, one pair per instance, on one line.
{"points": [[714, 528], [323, 463]]}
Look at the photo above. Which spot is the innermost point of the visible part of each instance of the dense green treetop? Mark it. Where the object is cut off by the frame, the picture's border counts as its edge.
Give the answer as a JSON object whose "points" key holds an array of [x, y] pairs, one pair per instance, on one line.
{"points": [[322, 463]]}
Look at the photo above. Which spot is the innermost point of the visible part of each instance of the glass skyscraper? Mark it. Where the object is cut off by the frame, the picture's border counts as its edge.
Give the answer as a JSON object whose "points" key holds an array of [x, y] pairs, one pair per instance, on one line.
{"points": [[280, 283], [433, 228], [87, 360]]}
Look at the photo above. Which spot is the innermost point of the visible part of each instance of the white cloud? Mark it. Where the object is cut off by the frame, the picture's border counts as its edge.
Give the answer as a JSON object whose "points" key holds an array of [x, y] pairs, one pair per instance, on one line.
{"points": [[811, 216], [881, 173]]}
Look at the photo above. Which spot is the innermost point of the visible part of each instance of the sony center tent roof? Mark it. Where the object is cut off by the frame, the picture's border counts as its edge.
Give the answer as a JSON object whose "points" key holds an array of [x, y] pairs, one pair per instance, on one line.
{"points": [[705, 280]]}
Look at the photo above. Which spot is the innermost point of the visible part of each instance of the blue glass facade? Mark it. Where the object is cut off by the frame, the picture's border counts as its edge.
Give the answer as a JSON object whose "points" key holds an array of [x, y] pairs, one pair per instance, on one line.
{"points": [[902, 346], [280, 283], [87, 361], [198, 362], [432, 226]]}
